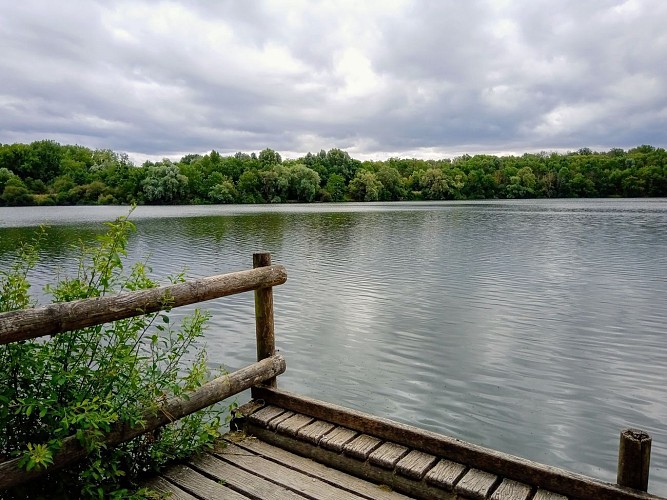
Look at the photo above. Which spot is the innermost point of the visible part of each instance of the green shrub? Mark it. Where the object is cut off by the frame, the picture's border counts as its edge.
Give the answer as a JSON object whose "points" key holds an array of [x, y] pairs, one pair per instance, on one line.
{"points": [[84, 382]]}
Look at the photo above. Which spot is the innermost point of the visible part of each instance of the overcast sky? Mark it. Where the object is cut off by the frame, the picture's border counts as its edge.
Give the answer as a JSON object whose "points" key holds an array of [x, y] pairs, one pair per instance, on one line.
{"points": [[429, 78]]}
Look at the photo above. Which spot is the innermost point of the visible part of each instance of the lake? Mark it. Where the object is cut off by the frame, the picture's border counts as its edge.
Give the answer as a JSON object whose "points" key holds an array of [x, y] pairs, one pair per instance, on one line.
{"points": [[534, 327]]}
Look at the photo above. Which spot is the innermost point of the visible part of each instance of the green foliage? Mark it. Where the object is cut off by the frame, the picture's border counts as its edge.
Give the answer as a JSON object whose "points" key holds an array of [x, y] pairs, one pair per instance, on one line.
{"points": [[86, 382], [46, 172]]}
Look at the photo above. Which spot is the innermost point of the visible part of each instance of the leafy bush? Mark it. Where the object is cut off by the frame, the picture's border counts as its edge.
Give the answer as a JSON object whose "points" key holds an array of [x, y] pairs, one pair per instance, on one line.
{"points": [[84, 382]]}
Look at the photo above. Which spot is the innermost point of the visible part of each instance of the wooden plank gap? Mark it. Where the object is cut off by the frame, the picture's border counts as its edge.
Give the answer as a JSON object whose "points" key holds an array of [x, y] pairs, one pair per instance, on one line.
{"points": [[337, 438]]}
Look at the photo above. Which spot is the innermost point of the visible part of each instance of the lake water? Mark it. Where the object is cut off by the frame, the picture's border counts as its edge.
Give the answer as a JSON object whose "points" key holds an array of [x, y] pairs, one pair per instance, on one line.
{"points": [[532, 327]]}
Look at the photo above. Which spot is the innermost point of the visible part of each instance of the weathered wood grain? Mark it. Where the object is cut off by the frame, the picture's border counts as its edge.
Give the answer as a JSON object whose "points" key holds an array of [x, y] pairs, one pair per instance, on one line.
{"points": [[548, 495], [511, 490], [314, 431], [287, 477], [387, 455], [283, 416], [168, 489], [415, 464], [266, 414], [634, 459], [264, 324], [337, 438], [67, 316], [240, 480], [198, 485], [212, 392], [320, 471], [476, 484], [359, 468], [504, 465], [361, 446], [292, 425], [445, 474]]}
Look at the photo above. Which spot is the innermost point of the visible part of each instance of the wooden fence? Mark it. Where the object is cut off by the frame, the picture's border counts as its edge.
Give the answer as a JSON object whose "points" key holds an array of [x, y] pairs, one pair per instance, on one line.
{"points": [[63, 317]]}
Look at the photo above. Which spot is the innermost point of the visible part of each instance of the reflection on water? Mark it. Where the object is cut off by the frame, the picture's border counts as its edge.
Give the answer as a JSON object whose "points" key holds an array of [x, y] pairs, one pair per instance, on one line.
{"points": [[533, 327]]}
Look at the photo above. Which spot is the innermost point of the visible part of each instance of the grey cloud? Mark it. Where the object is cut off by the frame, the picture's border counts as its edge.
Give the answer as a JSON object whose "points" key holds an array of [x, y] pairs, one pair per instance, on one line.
{"points": [[156, 78]]}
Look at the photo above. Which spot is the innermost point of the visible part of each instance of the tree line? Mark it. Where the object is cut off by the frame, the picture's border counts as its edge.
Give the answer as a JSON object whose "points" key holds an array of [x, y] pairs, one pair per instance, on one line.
{"points": [[48, 173]]}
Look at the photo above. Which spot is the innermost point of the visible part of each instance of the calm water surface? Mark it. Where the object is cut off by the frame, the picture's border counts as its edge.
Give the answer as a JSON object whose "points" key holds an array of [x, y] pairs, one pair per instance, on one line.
{"points": [[532, 327]]}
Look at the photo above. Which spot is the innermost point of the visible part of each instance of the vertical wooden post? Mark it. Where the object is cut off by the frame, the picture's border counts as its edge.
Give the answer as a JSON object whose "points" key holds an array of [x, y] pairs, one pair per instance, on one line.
{"points": [[634, 458], [264, 329]]}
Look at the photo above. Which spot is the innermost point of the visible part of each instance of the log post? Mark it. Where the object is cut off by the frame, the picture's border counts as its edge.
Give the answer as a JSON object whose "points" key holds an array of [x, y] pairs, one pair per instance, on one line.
{"points": [[634, 457], [264, 328]]}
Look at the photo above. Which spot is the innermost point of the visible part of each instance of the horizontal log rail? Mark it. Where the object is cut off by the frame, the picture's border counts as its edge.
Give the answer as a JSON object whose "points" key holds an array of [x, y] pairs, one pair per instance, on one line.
{"points": [[210, 393], [67, 316]]}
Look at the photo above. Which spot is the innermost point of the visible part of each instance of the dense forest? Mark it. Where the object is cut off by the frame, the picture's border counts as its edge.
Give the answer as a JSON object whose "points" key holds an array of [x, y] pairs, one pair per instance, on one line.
{"points": [[48, 173]]}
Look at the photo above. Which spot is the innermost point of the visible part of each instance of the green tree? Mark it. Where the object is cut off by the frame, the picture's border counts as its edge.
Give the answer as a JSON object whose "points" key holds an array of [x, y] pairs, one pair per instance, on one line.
{"points": [[336, 187], [16, 193], [393, 188], [164, 183], [365, 186]]}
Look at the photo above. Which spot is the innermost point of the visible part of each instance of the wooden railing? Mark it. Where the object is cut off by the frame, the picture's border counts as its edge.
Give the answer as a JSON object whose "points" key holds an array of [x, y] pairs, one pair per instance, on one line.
{"points": [[63, 317]]}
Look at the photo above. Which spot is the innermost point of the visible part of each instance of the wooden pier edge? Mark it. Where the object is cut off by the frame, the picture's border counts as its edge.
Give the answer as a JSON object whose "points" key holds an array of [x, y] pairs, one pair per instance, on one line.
{"points": [[551, 478]]}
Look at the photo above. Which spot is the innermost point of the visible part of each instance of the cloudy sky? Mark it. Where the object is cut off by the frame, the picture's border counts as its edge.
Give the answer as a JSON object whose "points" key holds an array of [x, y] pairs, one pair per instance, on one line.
{"points": [[378, 78]]}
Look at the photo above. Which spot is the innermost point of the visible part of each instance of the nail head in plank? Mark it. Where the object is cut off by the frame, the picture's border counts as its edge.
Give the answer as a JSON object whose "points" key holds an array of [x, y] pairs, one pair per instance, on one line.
{"points": [[361, 446], [265, 415], [387, 455], [445, 474], [511, 490], [548, 495], [314, 431], [292, 425], [415, 464], [476, 484], [337, 438]]}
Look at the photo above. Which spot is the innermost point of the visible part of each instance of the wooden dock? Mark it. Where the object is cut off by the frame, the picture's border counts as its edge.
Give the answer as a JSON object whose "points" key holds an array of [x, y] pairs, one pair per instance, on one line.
{"points": [[291, 446], [284, 453]]}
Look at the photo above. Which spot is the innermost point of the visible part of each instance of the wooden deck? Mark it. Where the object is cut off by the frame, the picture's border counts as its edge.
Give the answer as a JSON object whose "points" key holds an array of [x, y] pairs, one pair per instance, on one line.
{"points": [[288, 453], [245, 467]]}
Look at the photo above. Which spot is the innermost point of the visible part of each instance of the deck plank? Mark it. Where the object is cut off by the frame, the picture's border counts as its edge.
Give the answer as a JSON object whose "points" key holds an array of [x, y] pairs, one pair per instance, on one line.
{"points": [[292, 425], [415, 464], [242, 481], [356, 467], [337, 438], [387, 455], [294, 480], [361, 446], [511, 490], [476, 484], [314, 432], [445, 474], [315, 469], [275, 422], [548, 495], [161, 485], [198, 485], [266, 414]]}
